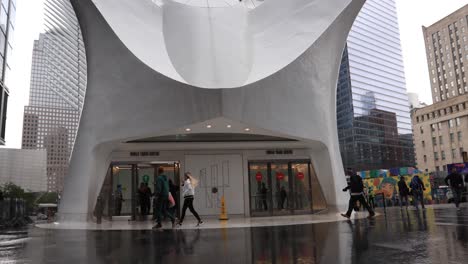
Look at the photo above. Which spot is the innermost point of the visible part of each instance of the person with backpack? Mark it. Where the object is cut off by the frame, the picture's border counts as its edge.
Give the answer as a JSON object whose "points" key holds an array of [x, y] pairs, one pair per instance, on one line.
{"points": [[357, 194], [188, 191], [456, 183], [404, 192], [417, 190], [162, 199]]}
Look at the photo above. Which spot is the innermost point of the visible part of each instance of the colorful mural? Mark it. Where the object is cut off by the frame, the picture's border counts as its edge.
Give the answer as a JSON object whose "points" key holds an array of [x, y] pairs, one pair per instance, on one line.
{"points": [[386, 182]]}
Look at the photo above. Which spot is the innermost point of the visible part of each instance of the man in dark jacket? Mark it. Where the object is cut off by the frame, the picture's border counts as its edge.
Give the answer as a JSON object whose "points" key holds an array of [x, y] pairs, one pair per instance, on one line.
{"points": [[404, 191], [357, 194], [456, 183], [162, 199]]}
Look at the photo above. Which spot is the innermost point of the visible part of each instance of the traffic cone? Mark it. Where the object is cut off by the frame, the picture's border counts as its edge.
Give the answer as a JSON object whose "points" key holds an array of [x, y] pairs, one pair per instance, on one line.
{"points": [[223, 215]]}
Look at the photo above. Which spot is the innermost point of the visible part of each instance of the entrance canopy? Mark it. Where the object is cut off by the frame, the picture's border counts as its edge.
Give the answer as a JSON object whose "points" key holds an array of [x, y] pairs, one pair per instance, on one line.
{"points": [[211, 137]]}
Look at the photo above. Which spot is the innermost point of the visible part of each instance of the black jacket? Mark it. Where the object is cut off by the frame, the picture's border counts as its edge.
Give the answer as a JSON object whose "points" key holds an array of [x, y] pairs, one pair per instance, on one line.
{"points": [[403, 188], [456, 180], [355, 184]]}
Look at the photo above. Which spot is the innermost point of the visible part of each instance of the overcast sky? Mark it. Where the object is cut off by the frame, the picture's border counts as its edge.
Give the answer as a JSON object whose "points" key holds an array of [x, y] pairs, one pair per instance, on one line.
{"points": [[29, 23]]}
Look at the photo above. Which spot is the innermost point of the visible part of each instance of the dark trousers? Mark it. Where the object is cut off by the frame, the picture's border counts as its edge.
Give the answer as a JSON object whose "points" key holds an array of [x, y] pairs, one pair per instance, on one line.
{"points": [[457, 196], [418, 198], [188, 203], [404, 197], [161, 209], [362, 201]]}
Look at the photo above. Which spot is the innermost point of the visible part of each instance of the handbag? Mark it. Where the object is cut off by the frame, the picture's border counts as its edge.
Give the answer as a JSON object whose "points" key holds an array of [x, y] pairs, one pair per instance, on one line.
{"points": [[171, 201]]}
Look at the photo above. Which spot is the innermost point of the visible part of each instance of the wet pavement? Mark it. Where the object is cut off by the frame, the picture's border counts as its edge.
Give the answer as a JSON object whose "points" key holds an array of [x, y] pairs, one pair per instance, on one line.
{"points": [[431, 236]]}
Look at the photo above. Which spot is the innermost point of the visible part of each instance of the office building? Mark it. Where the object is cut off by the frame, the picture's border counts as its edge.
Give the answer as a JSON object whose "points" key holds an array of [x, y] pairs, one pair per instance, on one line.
{"points": [[25, 168], [7, 28], [447, 55], [58, 84], [373, 114], [441, 129]]}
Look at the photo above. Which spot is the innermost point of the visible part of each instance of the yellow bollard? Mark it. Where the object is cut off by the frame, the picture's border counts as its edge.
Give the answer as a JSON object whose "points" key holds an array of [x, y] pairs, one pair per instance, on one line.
{"points": [[223, 215]]}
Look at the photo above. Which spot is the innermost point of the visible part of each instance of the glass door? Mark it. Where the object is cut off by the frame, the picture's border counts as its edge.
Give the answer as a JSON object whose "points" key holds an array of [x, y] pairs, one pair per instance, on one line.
{"points": [[260, 190], [284, 187], [122, 189], [145, 189], [302, 194], [282, 202]]}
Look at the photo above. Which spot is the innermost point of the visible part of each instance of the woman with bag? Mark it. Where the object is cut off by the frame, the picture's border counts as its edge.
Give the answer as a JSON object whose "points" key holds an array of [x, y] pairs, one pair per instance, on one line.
{"points": [[188, 192]]}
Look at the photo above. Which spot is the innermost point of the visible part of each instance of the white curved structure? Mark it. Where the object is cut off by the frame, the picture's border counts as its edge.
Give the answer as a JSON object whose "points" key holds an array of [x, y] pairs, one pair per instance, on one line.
{"points": [[150, 64]]}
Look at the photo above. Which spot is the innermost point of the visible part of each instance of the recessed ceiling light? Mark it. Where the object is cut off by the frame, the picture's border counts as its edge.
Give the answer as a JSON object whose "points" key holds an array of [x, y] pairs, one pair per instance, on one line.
{"points": [[188, 129], [247, 129], [228, 126], [208, 126]]}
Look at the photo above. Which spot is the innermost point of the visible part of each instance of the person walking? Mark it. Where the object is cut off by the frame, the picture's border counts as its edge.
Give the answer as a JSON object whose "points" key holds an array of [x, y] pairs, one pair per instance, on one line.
{"points": [[141, 199], [417, 190], [148, 193], [456, 183], [174, 189], [404, 192], [357, 194], [188, 192], [162, 199], [118, 200], [283, 197], [263, 196]]}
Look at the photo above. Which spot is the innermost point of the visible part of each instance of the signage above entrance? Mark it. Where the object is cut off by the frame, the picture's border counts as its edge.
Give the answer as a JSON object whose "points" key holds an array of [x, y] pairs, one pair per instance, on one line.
{"points": [[144, 154]]}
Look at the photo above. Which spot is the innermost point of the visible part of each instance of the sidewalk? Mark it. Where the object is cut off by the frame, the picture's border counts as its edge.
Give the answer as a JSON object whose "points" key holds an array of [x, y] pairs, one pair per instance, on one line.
{"points": [[210, 222]]}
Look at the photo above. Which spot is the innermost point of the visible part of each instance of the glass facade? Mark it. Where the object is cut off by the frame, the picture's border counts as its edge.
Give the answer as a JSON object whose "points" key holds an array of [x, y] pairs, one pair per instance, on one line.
{"points": [[57, 90], [122, 193], [373, 115], [284, 187], [7, 21]]}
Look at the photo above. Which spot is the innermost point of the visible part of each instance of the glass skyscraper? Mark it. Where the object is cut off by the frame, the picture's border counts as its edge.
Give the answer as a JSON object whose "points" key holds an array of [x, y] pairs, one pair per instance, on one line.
{"points": [[7, 21], [373, 113], [58, 85]]}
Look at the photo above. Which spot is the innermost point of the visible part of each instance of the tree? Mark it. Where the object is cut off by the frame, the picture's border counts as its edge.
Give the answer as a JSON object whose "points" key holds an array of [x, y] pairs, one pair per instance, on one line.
{"points": [[11, 190]]}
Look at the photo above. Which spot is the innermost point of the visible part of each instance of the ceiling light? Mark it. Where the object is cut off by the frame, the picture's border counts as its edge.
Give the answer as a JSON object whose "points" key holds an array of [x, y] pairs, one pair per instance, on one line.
{"points": [[188, 129], [208, 126], [228, 126], [247, 129]]}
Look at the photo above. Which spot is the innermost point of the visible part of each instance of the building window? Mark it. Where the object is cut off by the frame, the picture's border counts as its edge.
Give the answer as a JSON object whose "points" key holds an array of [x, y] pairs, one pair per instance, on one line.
{"points": [[450, 123], [424, 143], [439, 125], [434, 141], [458, 121], [433, 127], [421, 129], [437, 168], [442, 153], [452, 138], [425, 158], [441, 141], [459, 135], [454, 153], [436, 155], [461, 152]]}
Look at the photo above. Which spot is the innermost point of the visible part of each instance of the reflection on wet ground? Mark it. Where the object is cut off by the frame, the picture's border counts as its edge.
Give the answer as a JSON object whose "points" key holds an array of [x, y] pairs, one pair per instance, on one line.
{"points": [[432, 236]]}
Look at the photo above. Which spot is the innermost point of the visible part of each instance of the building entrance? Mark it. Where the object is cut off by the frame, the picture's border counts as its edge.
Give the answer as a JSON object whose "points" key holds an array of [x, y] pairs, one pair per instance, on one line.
{"points": [[284, 187], [129, 188]]}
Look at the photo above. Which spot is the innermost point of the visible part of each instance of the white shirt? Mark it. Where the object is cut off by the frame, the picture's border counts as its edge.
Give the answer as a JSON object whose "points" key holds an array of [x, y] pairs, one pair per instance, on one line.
{"points": [[187, 189]]}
